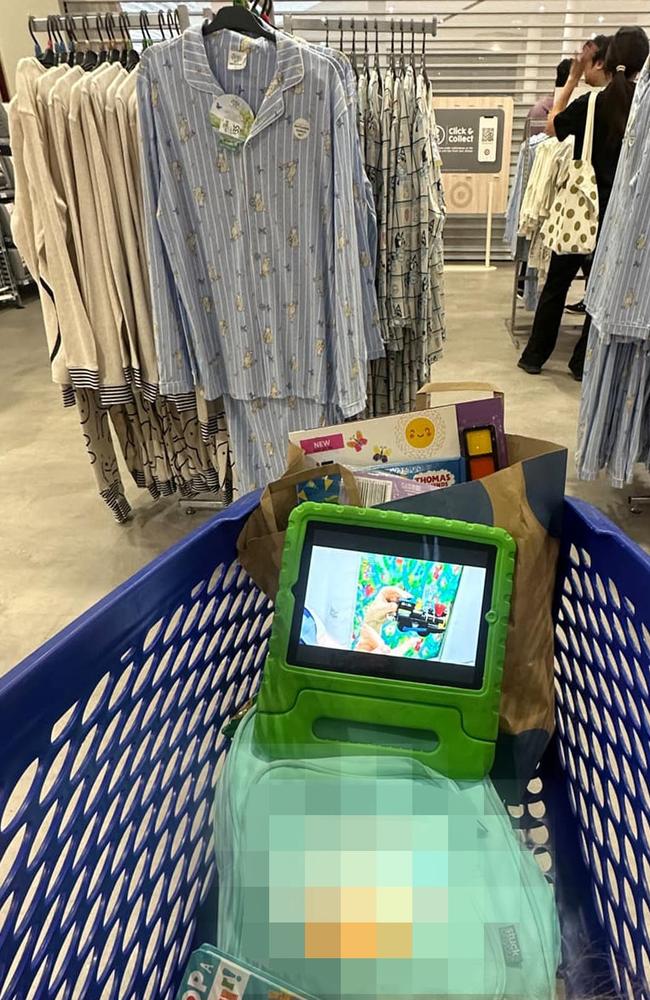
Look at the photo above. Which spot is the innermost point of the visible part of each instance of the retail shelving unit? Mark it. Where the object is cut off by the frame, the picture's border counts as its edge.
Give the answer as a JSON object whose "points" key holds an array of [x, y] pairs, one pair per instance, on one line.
{"points": [[10, 282]]}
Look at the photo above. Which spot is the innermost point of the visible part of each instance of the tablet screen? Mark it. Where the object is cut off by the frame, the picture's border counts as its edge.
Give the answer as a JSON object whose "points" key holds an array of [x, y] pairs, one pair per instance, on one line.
{"points": [[393, 604]]}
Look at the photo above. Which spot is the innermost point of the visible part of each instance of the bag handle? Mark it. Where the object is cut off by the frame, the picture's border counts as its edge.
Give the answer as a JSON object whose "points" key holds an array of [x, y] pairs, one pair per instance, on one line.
{"points": [[588, 144]]}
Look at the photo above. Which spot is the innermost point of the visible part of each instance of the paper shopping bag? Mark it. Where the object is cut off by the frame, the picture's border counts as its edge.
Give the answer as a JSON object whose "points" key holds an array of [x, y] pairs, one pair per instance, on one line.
{"points": [[526, 499]]}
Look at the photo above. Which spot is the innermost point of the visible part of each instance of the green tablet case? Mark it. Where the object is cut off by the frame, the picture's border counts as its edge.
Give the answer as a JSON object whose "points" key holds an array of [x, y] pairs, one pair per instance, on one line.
{"points": [[315, 712]]}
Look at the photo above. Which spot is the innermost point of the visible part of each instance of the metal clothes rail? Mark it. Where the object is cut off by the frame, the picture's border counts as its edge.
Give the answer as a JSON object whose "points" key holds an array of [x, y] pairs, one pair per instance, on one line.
{"points": [[395, 27], [97, 19]]}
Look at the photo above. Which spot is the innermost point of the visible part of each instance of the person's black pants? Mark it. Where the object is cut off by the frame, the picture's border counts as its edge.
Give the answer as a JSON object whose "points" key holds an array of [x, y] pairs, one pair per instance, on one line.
{"points": [[548, 317]]}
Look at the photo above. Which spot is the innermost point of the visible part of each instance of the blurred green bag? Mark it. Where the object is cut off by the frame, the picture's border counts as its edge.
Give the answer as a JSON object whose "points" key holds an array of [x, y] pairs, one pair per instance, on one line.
{"points": [[374, 878]]}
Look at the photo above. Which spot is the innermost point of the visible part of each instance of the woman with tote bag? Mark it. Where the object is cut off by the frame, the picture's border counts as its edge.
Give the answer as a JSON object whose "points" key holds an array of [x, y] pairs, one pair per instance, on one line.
{"points": [[596, 121]]}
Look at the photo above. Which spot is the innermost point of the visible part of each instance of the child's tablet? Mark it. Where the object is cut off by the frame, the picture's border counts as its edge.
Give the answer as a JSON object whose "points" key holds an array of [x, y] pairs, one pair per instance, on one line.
{"points": [[389, 635]]}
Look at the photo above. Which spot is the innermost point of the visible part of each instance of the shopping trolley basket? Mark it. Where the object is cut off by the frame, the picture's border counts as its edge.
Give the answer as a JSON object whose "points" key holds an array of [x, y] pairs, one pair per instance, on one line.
{"points": [[110, 743]]}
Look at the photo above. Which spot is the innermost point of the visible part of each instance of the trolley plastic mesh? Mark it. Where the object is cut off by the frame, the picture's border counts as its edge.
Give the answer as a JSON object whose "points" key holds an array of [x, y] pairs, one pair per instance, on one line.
{"points": [[110, 745]]}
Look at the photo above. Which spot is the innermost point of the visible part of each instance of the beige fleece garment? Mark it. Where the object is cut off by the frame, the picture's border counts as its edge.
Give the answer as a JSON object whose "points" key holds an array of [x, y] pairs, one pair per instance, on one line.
{"points": [[58, 106], [24, 229], [126, 112], [102, 301], [68, 329], [44, 87], [132, 248], [95, 132]]}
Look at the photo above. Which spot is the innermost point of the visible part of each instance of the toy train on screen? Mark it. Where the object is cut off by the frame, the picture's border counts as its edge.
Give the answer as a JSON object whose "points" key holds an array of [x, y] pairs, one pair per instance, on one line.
{"points": [[424, 621]]}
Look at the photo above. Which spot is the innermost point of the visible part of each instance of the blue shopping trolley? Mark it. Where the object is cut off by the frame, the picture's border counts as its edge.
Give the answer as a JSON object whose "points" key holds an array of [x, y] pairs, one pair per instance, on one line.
{"points": [[111, 740]]}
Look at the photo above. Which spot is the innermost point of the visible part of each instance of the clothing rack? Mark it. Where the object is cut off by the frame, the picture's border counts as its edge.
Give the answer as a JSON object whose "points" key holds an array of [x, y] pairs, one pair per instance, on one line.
{"points": [[67, 35], [10, 281]]}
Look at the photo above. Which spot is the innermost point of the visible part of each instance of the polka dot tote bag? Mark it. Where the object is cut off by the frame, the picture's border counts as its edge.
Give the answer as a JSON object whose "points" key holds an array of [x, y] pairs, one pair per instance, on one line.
{"points": [[572, 226]]}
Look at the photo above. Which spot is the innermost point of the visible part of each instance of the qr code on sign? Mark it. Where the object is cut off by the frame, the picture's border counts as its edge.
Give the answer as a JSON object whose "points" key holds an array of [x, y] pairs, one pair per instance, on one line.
{"points": [[488, 135]]}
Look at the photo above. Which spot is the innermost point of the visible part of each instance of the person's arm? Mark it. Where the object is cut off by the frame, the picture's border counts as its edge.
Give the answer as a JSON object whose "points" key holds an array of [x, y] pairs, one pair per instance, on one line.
{"points": [[565, 95]]}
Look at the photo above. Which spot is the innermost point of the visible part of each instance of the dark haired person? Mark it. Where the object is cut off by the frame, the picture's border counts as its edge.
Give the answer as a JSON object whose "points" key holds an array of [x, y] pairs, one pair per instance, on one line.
{"points": [[620, 66], [542, 109]]}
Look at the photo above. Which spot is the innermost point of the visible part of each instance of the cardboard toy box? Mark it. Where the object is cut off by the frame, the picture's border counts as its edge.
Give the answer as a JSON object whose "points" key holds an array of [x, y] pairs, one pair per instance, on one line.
{"points": [[407, 437], [477, 404]]}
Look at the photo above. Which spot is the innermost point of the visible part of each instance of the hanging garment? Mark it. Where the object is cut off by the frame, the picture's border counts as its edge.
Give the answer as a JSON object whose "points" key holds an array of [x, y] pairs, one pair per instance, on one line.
{"points": [[520, 246], [39, 228], [100, 448], [364, 205], [102, 302], [551, 160], [128, 241], [253, 252], [404, 168], [260, 429], [614, 425]]}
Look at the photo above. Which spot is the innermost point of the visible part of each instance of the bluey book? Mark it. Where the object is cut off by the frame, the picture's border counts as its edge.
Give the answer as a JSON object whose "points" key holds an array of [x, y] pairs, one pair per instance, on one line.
{"points": [[213, 975]]}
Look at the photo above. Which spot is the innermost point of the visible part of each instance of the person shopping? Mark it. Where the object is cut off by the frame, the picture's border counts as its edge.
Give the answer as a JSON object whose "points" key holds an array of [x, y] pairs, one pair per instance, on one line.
{"points": [[619, 67]]}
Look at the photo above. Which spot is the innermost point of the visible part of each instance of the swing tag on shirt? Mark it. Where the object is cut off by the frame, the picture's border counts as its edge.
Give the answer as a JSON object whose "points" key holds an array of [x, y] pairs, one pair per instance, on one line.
{"points": [[237, 59], [233, 119]]}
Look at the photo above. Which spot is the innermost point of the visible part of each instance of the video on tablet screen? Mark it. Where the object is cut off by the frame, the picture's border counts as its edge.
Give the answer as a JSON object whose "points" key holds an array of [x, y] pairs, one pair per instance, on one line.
{"points": [[391, 605]]}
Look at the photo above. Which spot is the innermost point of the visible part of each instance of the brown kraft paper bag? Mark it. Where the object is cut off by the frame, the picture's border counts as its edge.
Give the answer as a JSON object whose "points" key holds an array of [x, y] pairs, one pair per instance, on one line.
{"points": [[261, 541], [526, 499]]}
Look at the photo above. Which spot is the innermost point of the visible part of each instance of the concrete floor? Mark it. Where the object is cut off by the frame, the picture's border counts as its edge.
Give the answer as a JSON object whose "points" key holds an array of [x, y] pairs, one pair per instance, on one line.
{"points": [[60, 548]]}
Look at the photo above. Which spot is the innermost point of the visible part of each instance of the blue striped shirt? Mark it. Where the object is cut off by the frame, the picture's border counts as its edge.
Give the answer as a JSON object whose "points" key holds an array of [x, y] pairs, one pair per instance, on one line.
{"points": [[253, 253], [618, 295], [613, 430]]}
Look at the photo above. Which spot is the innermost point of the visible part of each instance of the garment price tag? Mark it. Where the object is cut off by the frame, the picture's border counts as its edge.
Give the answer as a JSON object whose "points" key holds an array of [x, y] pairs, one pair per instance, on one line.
{"points": [[232, 118], [237, 59]]}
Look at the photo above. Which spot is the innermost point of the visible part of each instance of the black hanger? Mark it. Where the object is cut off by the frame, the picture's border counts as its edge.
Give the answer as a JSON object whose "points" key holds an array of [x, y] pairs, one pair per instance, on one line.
{"points": [[64, 47], [237, 18], [327, 31], [38, 51], [81, 53], [103, 51], [72, 39], [114, 51], [132, 54], [90, 56], [125, 35], [161, 25], [49, 58], [423, 68], [353, 57], [147, 40], [60, 50], [365, 46]]}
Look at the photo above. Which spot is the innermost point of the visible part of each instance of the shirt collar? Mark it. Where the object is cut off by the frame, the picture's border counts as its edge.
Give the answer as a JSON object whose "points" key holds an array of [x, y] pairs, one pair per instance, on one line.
{"points": [[198, 73]]}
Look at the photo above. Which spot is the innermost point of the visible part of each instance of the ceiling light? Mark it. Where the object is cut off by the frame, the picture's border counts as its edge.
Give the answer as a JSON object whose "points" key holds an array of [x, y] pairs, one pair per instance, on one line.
{"points": [[391, 9], [601, 19], [542, 8], [496, 47]]}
